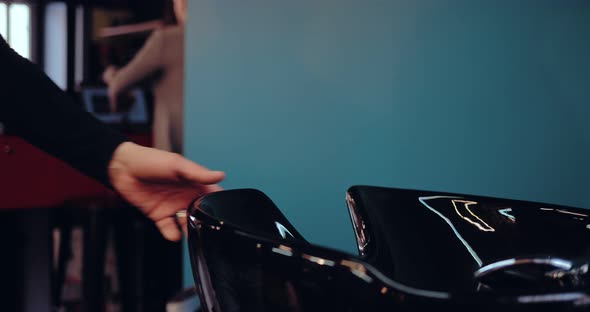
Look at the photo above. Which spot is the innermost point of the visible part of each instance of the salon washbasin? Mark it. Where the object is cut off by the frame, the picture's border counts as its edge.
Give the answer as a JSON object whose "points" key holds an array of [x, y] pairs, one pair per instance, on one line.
{"points": [[417, 250]]}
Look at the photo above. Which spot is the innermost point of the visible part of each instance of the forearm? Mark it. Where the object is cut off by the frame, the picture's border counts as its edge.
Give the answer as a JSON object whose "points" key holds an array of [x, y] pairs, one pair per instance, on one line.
{"points": [[145, 64], [33, 107]]}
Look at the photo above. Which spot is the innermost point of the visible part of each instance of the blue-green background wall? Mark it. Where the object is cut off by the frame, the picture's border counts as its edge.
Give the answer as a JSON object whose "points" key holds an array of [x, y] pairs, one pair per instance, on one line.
{"points": [[303, 99]]}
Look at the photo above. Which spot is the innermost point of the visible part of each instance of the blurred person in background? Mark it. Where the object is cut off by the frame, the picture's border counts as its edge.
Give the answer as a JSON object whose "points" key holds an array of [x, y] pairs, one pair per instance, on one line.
{"points": [[161, 62]]}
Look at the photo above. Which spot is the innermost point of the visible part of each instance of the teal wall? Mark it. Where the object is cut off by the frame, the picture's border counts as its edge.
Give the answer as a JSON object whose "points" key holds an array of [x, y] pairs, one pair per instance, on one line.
{"points": [[303, 99]]}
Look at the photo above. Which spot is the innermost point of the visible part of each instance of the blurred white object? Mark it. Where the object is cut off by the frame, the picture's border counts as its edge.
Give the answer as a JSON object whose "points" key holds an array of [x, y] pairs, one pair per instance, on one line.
{"points": [[184, 301]]}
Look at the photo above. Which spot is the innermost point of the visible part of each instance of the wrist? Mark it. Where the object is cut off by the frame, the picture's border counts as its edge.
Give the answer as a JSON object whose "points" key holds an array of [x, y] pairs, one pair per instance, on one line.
{"points": [[121, 155]]}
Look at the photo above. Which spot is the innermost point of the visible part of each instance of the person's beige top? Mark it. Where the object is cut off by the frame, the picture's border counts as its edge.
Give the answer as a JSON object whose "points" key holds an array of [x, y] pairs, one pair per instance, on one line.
{"points": [[162, 56]]}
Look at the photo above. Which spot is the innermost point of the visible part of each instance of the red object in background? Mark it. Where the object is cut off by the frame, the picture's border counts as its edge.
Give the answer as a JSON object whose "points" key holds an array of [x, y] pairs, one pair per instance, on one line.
{"points": [[31, 178]]}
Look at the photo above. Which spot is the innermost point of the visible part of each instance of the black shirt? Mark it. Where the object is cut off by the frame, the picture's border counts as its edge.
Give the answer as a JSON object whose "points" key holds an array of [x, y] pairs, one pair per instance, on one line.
{"points": [[34, 108]]}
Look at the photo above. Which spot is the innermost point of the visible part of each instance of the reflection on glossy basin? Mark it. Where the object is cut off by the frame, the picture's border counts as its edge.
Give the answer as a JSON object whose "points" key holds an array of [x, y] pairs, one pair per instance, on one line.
{"points": [[417, 250]]}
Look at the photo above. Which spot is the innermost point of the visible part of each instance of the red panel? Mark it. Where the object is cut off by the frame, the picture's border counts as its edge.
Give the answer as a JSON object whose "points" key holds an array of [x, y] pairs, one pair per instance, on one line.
{"points": [[75, 185], [30, 178]]}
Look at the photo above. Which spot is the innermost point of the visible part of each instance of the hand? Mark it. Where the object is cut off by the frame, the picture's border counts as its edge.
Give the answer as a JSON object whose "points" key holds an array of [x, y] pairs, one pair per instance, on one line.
{"points": [[109, 73], [160, 183]]}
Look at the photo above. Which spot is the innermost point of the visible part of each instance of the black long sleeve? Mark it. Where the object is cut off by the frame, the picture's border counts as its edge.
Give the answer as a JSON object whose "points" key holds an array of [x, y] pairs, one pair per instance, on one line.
{"points": [[34, 108]]}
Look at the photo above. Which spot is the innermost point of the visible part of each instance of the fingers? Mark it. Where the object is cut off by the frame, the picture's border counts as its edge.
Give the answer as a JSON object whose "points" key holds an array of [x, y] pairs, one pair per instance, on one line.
{"points": [[210, 188], [169, 228], [153, 165], [197, 174], [109, 74]]}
